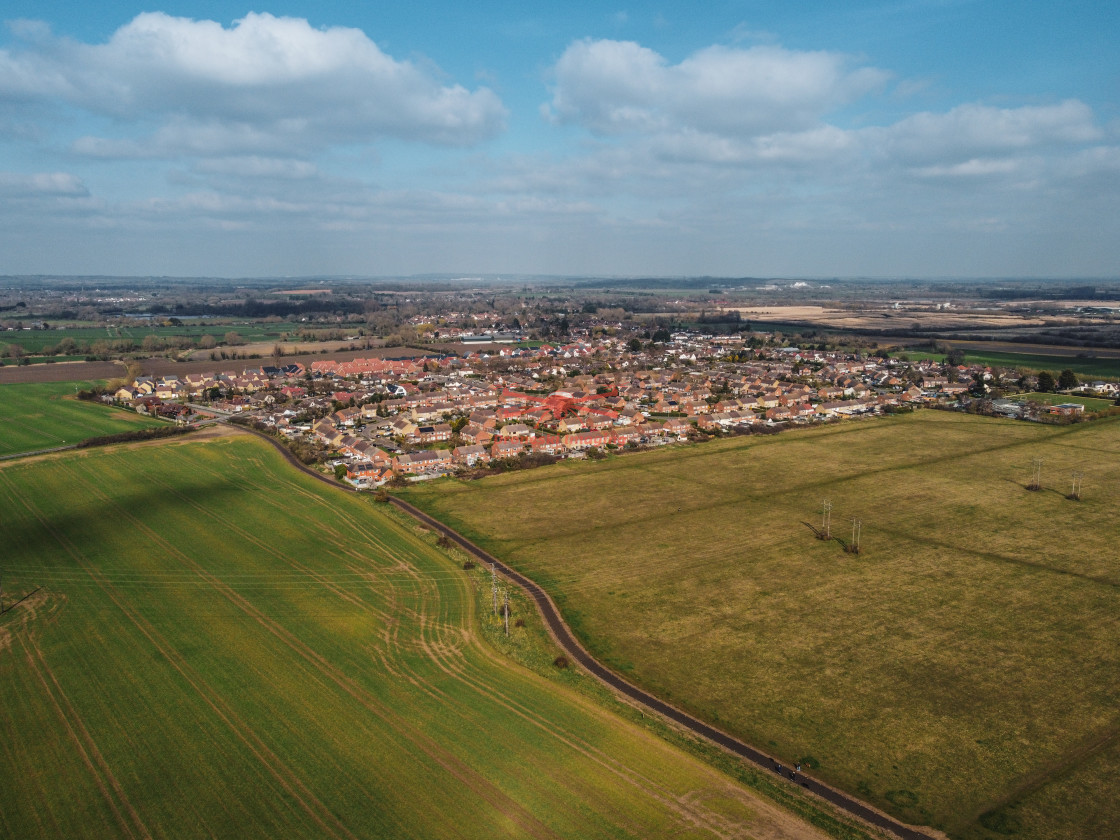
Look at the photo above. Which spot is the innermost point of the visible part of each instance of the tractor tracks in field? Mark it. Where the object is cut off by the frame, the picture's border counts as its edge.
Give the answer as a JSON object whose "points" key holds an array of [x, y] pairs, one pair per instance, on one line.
{"points": [[329, 671], [564, 637]]}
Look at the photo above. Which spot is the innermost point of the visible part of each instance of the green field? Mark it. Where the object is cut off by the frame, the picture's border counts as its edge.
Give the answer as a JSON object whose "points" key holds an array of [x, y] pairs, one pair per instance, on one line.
{"points": [[1090, 403], [45, 415], [962, 671], [223, 647], [33, 341], [1084, 368]]}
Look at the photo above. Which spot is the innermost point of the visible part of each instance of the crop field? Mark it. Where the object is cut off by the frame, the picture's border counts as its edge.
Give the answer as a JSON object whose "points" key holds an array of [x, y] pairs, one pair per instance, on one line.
{"points": [[961, 671], [1083, 367], [33, 341], [44, 415], [211, 644], [1101, 366]]}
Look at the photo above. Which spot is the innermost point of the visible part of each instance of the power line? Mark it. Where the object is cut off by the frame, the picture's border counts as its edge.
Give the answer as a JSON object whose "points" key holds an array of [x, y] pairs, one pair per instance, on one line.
{"points": [[1036, 479], [857, 527]]}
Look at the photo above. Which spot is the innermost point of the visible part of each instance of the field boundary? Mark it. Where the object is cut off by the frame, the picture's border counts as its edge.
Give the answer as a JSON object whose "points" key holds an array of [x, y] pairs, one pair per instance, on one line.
{"points": [[559, 630], [14, 455], [564, 637]]}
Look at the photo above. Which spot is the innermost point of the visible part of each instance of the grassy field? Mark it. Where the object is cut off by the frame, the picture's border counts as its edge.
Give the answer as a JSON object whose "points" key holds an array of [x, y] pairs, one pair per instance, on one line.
{"points": [[962, 671], [223, 647], [33, 341], [44, 415], [1090, 403], [1099, 368]]}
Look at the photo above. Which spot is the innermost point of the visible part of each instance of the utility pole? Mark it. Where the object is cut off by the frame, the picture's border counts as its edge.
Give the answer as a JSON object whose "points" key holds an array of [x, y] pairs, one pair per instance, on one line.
{"points": [[827, 507], [494, 586], [506, 611], [1036, 481], [1075, 493]]}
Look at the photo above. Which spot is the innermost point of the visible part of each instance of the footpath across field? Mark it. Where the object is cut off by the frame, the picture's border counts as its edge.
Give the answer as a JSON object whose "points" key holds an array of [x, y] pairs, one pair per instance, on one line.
{"points": [[213, 644], [962, 670]]}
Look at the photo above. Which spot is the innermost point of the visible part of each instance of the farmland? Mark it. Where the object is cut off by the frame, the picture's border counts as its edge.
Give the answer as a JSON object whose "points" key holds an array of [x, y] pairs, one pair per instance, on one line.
{"points": [[1090, 403], [1100, 364], [223, 647], [34, 341], [962, 671], [45, 415]]}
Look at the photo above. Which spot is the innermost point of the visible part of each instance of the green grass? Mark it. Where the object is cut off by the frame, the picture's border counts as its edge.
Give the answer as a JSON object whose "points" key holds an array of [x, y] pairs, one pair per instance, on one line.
{"points": [[966, 662], [224, 647], [1084, 368], [1090, 403], [33, 341], [45, 415]]}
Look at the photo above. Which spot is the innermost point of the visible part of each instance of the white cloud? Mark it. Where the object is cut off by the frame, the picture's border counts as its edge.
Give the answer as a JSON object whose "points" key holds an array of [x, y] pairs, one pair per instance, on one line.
{"points": [[973, 168], [973, 130], [1096, 161], [614, 87], [253, 166], [41, 185], [263, 75]]}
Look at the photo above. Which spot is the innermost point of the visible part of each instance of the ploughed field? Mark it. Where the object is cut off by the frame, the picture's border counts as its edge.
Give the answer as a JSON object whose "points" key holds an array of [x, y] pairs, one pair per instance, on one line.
{"points": [[223, 647], [961, 671], [46, 414]]}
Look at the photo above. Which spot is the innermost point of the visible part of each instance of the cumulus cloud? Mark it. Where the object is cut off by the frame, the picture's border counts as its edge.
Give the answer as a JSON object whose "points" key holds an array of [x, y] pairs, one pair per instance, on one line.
{"points": [[973, 130], [264, 74], [616, 87], [770, 109]]}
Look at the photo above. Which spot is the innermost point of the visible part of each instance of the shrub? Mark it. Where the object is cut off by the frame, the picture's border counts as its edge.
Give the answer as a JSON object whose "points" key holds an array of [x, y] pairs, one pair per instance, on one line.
{"points": [[560, 662]]}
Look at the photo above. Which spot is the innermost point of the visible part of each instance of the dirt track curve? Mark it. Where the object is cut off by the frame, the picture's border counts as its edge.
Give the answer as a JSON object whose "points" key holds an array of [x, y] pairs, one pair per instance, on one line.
{"points": [[571, 645]]}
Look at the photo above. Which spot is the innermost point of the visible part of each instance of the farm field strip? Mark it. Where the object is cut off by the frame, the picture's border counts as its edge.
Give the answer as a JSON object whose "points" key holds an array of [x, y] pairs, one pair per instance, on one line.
{"points": [[33, 341], [978, 628], [307, 666], [44, 415]]}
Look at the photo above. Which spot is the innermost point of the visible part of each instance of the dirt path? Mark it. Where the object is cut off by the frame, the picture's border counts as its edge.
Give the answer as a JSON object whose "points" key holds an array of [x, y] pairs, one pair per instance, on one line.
{"points": [[567, 641]]}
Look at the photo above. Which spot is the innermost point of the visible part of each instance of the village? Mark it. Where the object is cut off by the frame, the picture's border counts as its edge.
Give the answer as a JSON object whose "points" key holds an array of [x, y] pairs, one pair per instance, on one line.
{"points": [[425, 416]]}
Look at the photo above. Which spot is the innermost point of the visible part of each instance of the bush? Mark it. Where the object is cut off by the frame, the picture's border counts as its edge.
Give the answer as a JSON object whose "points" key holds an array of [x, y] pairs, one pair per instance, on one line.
{"points": [[468, 565], [138, 435], [560, 662], [444, 541]]}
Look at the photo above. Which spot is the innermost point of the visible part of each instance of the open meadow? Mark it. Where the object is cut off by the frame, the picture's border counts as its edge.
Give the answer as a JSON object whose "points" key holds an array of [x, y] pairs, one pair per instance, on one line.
{"points": [[46, 414], [961, 671], [211, 644]]}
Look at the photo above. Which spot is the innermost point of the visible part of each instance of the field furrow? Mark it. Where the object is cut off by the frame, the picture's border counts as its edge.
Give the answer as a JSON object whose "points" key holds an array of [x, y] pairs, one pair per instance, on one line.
{"points": [[298, 663]]}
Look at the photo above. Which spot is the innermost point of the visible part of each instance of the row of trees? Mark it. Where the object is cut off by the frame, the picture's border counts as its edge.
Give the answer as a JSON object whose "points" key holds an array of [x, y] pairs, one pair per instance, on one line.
{"points": [[1066, 381]]}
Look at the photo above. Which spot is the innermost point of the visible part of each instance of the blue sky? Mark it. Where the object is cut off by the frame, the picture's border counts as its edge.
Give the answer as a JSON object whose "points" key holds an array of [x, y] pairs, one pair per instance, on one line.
{"points": [[915, 138]]}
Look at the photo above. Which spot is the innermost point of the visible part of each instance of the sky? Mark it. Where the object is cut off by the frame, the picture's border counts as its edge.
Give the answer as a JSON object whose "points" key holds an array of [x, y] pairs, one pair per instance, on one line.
{"points": [[895, 138]]}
